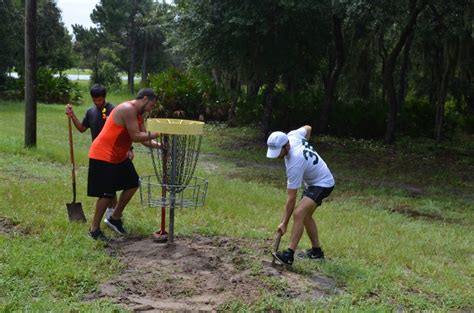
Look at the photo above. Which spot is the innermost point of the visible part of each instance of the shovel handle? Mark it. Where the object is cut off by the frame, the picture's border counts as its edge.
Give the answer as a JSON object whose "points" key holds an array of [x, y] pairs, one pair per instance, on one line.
{"points": [[276, 244], [71, 152]]}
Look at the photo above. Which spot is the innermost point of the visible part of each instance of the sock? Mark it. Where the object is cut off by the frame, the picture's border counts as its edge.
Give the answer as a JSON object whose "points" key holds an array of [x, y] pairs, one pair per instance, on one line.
{"points": [[316, 250], [291, 252]]}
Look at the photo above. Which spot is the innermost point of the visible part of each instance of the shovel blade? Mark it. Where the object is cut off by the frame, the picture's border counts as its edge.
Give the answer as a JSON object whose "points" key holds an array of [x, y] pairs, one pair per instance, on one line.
{"points": [[75, 212]]}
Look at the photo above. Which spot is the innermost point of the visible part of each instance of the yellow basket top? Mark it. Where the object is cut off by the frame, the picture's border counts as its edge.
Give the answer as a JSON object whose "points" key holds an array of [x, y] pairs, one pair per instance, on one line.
{"points": [[175, 126]]}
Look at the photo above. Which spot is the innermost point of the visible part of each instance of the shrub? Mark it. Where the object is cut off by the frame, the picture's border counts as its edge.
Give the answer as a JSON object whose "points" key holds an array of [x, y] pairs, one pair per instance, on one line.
{"points": [[190, 93], [11, 88], [50, 88], [417, 117], [358, 118], [56, 89], [107, 74]]}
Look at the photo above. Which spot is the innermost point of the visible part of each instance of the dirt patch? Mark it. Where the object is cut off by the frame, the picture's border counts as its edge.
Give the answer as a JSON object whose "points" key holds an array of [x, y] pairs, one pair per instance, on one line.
{"points": [[410, 212], [8, 227], [202, 274]]}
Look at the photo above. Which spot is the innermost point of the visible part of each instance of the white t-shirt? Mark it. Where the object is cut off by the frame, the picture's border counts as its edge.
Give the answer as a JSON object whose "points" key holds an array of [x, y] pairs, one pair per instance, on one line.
{"points": [[304, 165]]}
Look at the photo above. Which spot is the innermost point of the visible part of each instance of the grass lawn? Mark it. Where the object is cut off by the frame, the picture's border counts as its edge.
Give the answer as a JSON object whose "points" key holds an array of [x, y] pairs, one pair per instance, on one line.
{"points": [[397, 230]]}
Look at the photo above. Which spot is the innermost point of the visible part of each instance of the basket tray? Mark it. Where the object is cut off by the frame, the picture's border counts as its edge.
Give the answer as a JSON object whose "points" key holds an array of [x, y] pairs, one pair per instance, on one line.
{"points": [[173, 126], [192, 195]]}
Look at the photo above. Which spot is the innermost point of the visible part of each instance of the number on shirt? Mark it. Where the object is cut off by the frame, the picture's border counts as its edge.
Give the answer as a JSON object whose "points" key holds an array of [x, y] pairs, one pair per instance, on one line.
{"points": [[308, 152]]}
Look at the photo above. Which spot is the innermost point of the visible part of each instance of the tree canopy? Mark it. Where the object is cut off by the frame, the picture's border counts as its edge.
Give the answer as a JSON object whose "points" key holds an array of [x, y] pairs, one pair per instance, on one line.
{"points": [[354, 68]]}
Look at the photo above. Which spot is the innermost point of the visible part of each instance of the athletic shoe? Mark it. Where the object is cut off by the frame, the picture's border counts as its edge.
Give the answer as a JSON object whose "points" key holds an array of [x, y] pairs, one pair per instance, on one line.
{"points": [[311, 254], [284, 257], [98, 235], [109, 212], [115, 225]]}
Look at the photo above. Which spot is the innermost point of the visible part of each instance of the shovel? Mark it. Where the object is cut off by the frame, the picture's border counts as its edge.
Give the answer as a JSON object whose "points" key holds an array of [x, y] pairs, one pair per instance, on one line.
{"points": [[74, 210], [276, 244]]}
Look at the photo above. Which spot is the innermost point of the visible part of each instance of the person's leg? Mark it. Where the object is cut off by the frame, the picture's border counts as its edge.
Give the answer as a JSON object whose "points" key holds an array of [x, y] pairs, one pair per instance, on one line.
{"points": [[110, 208], [99, 181], [312, 229], [317, 194], [126, 180], [305, 208], [100, 206], [125, 197], [114, 202]]}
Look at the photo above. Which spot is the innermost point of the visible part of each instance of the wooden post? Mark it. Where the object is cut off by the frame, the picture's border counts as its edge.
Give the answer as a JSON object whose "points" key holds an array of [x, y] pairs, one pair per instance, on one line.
{"points": [[30, 73]]}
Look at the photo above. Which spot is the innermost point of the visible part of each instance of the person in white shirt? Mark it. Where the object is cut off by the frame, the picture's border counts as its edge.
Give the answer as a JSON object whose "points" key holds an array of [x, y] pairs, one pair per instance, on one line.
{"points": [[303, 165]]}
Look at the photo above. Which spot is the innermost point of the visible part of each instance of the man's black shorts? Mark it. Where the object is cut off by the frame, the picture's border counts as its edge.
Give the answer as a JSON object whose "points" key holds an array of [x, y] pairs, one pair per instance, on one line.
{"points": [[316, 193], [106, 178]]}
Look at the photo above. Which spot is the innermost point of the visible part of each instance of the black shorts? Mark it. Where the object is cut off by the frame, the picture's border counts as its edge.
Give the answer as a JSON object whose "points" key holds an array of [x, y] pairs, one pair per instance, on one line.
{"points": [[316, 193], [106, 178]]}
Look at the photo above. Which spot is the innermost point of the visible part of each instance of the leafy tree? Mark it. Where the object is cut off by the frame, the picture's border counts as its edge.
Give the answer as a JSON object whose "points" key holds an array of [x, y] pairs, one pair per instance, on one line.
{"points": [[444, 67], [10, 28], [99, 54], [151, 40], [54, 41], [255, 42], [119, 19], [396, 23]]}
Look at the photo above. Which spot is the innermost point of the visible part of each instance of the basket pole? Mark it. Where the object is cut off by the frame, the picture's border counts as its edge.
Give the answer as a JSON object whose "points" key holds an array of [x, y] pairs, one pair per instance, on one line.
{"points": [[173, 187]]}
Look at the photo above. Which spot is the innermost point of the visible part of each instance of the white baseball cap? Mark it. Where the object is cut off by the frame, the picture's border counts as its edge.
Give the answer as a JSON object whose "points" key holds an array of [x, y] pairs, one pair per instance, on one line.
{"points": [[275, 142]]}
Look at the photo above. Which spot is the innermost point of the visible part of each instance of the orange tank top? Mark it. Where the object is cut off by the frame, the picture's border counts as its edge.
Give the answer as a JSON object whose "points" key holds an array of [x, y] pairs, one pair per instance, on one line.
{"points": [[113, 142]]}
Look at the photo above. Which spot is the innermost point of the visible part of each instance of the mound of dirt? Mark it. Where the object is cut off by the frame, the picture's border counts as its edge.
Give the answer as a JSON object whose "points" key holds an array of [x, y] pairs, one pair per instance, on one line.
{"points": [[201, 274]]}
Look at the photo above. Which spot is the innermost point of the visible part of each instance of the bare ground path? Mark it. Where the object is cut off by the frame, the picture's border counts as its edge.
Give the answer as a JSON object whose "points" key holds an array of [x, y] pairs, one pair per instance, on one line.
{"points": [[203, 273]]}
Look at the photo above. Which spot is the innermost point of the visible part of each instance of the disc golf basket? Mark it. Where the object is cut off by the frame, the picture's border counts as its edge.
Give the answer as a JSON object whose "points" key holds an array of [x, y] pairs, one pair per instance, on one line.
{"points": [[173, 184]]}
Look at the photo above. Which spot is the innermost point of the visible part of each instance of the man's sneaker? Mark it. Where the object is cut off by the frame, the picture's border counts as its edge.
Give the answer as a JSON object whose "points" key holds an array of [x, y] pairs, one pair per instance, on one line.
{"points": [[284, 257], [311, 254], [109, 212], [115, 225], [98, 235]]}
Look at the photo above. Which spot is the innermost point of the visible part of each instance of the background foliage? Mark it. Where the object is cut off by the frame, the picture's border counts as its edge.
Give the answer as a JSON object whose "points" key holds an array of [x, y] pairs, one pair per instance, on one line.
{"points": [[362, 69]]}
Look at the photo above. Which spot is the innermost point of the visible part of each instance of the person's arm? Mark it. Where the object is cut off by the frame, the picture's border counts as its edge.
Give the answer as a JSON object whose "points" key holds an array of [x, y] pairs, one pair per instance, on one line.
{"points": [[289, 207], [126, 116], [77, 123], [308, 131], [150, 143]]}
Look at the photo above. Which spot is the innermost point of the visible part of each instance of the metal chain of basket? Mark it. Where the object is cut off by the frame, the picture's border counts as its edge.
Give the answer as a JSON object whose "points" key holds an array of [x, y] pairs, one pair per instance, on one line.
{"points": [[186, 154], [173, 185]]}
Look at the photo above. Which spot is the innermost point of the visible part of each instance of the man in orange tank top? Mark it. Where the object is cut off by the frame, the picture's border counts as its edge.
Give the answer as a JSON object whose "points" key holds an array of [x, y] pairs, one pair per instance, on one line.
{"points": [[110, 169]]}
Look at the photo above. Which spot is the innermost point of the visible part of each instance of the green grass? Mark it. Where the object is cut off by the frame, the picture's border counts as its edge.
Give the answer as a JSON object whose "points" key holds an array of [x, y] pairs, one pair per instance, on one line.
{"points": [[397, 231]]}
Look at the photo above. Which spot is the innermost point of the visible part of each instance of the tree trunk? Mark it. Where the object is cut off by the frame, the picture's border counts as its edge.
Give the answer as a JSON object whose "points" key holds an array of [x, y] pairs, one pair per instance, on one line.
{"points": [[268, 106], [466, 67], [330, 86], [363, 68], [403, 84], [30, 73], [449, 63], [253, 87], [145, 81], [132, 43], [234, 96], [291, 90], [389, 68]]}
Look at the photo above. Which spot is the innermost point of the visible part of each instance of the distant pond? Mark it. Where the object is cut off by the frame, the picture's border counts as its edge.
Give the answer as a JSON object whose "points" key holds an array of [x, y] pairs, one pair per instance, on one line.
{"points": [[72, 76]]}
